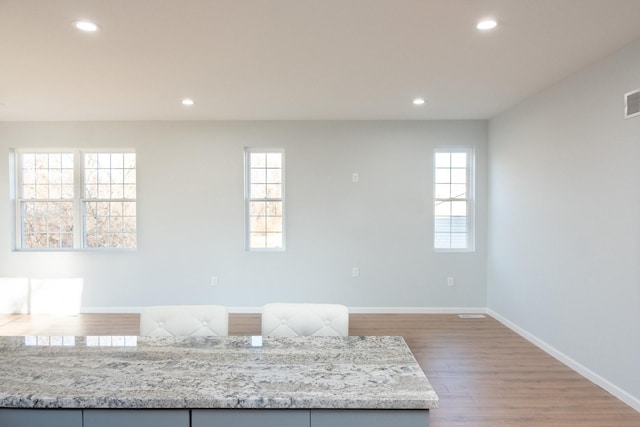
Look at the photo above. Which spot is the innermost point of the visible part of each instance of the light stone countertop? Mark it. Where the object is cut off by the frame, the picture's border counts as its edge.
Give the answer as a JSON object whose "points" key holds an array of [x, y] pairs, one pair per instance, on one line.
{"points": [[212, 372]]}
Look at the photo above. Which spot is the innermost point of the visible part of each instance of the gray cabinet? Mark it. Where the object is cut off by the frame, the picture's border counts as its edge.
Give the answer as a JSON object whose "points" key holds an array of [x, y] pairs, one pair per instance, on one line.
{"points": [[369, 418], [212, 418], [249, 418], [10, 417], [136, 417]]}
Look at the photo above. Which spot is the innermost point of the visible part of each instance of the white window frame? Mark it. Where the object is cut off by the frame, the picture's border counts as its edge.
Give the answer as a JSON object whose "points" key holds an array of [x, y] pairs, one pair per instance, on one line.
{"points": [[78, 201], [84, 199], [248, 199], [470, 198]]}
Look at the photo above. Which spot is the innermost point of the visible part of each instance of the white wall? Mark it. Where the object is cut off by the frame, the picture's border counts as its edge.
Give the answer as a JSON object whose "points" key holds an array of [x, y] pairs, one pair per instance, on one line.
{"points": [[564, 229], [191, 224]]}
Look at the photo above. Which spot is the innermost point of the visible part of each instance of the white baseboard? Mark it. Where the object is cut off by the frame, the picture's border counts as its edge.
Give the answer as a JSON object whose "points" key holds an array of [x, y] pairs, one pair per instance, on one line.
{"points": [[418, 310], [125, 310], [576, 366], [110, 310], [358, 310]]}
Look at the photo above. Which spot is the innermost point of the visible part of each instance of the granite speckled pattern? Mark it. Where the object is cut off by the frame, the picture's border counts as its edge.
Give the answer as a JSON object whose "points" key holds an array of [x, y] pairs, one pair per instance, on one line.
{"points": [[212, 372]]}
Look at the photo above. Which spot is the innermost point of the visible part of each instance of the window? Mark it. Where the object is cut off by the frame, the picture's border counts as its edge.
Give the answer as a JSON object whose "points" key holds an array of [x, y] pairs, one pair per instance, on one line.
{"points": [[46, 200], [109, 203], [264, 196], [453, 200], [69, 199]]}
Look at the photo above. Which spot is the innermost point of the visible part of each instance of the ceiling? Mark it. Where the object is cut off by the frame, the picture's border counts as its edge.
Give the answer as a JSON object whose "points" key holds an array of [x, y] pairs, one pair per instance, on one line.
{"points": [[295, 59]]}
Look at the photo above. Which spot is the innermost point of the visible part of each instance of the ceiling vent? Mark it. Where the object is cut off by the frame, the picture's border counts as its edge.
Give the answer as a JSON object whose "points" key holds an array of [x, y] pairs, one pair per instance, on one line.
{"points": [[632, 104]]}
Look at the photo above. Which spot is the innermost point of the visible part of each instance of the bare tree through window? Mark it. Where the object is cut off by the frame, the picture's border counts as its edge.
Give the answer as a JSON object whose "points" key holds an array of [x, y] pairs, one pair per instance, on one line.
{"points": [[265, 198], [110, 200], [47, 200], [69, 199]]}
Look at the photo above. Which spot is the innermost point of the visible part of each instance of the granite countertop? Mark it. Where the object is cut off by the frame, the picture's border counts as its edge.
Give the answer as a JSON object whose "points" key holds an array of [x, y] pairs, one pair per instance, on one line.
{"points": [[212, 372]]}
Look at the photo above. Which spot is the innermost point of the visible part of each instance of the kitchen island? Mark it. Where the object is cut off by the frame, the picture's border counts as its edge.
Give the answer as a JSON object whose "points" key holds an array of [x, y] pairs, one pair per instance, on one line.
{"points": [[211, 381]]}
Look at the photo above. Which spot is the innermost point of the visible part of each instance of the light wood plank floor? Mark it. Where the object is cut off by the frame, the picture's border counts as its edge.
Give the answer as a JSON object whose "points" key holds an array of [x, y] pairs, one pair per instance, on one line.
{"points": [[485, 374]]}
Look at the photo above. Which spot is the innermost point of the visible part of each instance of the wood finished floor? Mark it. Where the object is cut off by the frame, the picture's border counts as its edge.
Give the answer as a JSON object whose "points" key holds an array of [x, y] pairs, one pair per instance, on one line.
{"points": [[485, 374]]}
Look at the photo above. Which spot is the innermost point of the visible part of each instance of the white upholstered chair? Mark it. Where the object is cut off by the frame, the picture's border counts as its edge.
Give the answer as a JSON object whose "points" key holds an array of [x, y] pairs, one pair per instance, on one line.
{"points": [[184, 320], [290, 320]]}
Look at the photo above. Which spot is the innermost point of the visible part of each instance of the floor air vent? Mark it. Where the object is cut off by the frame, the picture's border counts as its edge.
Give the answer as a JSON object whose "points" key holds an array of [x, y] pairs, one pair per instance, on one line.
{"points": [[471, 316], [632, 104]]}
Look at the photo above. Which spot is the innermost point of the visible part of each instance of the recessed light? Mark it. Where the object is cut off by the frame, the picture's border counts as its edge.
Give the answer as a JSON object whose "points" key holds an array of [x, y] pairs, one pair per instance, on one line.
{"points": [[487, 24], [187, 101], [418, 101], [86, 26]]}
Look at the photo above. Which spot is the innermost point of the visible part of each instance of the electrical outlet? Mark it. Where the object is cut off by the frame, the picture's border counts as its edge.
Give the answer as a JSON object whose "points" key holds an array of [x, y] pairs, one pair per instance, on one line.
{"points": [[450, 281], [355, 177], [214, 281], [355, 272]]}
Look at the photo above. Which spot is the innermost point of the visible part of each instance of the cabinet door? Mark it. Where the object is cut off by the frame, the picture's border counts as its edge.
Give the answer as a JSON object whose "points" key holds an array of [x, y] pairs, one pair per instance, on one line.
{"points": [[249, 418], [369, 418], [40, 417], [136, 418]]}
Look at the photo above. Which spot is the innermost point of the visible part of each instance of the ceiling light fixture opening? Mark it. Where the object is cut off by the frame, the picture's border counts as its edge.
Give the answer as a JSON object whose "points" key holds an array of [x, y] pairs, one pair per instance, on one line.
{"points": [[86, 26], [187, 101], [418, 101], [487, 24]]}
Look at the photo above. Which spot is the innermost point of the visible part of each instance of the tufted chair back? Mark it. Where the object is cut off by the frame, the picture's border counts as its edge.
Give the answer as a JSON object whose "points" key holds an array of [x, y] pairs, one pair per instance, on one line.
{"points": [[181, 320], [290, 320]]}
